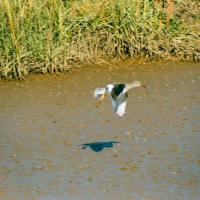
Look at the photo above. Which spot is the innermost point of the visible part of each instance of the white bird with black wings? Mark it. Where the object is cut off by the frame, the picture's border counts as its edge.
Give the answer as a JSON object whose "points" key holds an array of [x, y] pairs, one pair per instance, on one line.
{"points": [[118, 95]]}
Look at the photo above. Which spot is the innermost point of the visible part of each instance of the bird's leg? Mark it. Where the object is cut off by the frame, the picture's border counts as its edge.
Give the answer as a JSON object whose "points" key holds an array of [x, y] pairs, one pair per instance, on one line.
{"points": [[101, 99]]}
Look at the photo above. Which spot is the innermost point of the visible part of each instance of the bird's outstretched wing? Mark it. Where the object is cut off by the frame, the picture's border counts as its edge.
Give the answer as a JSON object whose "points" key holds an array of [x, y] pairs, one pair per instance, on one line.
{"points": [[121, 109], [119, 104], [98, 92]]}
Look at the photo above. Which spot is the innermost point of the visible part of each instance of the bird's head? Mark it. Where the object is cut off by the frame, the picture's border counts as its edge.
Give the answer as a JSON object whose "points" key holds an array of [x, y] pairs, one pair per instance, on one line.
{"points": [[133, 84], [137, 84]]}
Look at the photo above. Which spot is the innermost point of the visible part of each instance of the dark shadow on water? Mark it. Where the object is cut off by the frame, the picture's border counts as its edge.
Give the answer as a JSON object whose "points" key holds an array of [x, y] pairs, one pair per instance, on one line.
{"points": [[98, 146]]}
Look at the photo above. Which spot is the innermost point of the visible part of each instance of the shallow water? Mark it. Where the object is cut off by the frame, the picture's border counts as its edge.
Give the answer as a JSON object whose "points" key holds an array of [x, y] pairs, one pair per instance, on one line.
{"points": [[45, 118]]}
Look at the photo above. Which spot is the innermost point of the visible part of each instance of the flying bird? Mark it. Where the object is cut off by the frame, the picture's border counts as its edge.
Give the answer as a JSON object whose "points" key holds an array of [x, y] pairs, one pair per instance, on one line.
{"points": [[118, 95]]}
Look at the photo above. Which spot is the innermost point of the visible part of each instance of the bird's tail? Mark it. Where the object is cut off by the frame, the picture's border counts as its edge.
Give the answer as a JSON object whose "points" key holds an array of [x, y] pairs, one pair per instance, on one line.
{"points": [[99, 92]]}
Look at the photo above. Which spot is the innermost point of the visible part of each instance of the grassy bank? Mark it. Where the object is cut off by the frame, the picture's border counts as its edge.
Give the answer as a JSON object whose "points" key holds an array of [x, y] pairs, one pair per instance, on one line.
{"points": [[55, 36]]}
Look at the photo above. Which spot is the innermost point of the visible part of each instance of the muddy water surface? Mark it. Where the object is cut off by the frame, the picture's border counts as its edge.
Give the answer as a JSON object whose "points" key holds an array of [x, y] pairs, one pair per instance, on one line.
{"points": [[45, 118]]}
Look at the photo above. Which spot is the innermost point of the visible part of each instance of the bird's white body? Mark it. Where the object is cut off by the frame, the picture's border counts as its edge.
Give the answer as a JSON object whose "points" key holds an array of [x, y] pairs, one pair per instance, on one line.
{"points": [[118, 95]]}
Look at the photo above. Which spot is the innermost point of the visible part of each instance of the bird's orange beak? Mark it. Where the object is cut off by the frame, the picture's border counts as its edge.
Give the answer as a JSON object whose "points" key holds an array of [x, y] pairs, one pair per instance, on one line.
{"points": [[101, 99]]}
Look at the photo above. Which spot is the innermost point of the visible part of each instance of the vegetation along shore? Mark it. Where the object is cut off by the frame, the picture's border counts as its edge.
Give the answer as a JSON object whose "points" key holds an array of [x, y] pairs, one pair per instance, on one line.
{"points": [[53, 36]]}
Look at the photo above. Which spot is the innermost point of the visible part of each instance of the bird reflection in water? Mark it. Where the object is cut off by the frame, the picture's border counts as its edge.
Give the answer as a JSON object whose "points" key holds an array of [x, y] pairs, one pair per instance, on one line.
{"points": [[98, 146]]}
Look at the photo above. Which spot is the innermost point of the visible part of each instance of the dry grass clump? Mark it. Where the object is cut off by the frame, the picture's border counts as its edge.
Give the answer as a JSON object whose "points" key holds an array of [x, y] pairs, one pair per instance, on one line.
{"points": [[55, 36]]}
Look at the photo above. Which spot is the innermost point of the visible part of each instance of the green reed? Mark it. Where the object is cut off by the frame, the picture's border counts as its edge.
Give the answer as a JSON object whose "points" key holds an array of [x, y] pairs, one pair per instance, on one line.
{"points": [[55, 36]]}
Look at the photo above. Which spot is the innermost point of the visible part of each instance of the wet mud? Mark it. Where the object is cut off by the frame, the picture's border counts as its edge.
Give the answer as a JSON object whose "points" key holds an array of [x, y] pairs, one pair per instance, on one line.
{"points": [[156, 154]]}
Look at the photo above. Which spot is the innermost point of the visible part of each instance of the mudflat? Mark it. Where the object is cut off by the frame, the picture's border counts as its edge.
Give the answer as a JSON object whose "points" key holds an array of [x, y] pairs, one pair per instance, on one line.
{"points": [[157, 149]]}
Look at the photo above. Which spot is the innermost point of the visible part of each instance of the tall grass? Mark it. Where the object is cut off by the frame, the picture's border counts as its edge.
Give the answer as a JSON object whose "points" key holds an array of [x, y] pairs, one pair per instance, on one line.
{"points": [[55, 36]]}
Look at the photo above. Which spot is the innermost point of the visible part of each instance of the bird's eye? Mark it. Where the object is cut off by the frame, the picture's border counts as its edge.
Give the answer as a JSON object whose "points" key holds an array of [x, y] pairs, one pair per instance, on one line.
{"points": [[106, 88]]}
